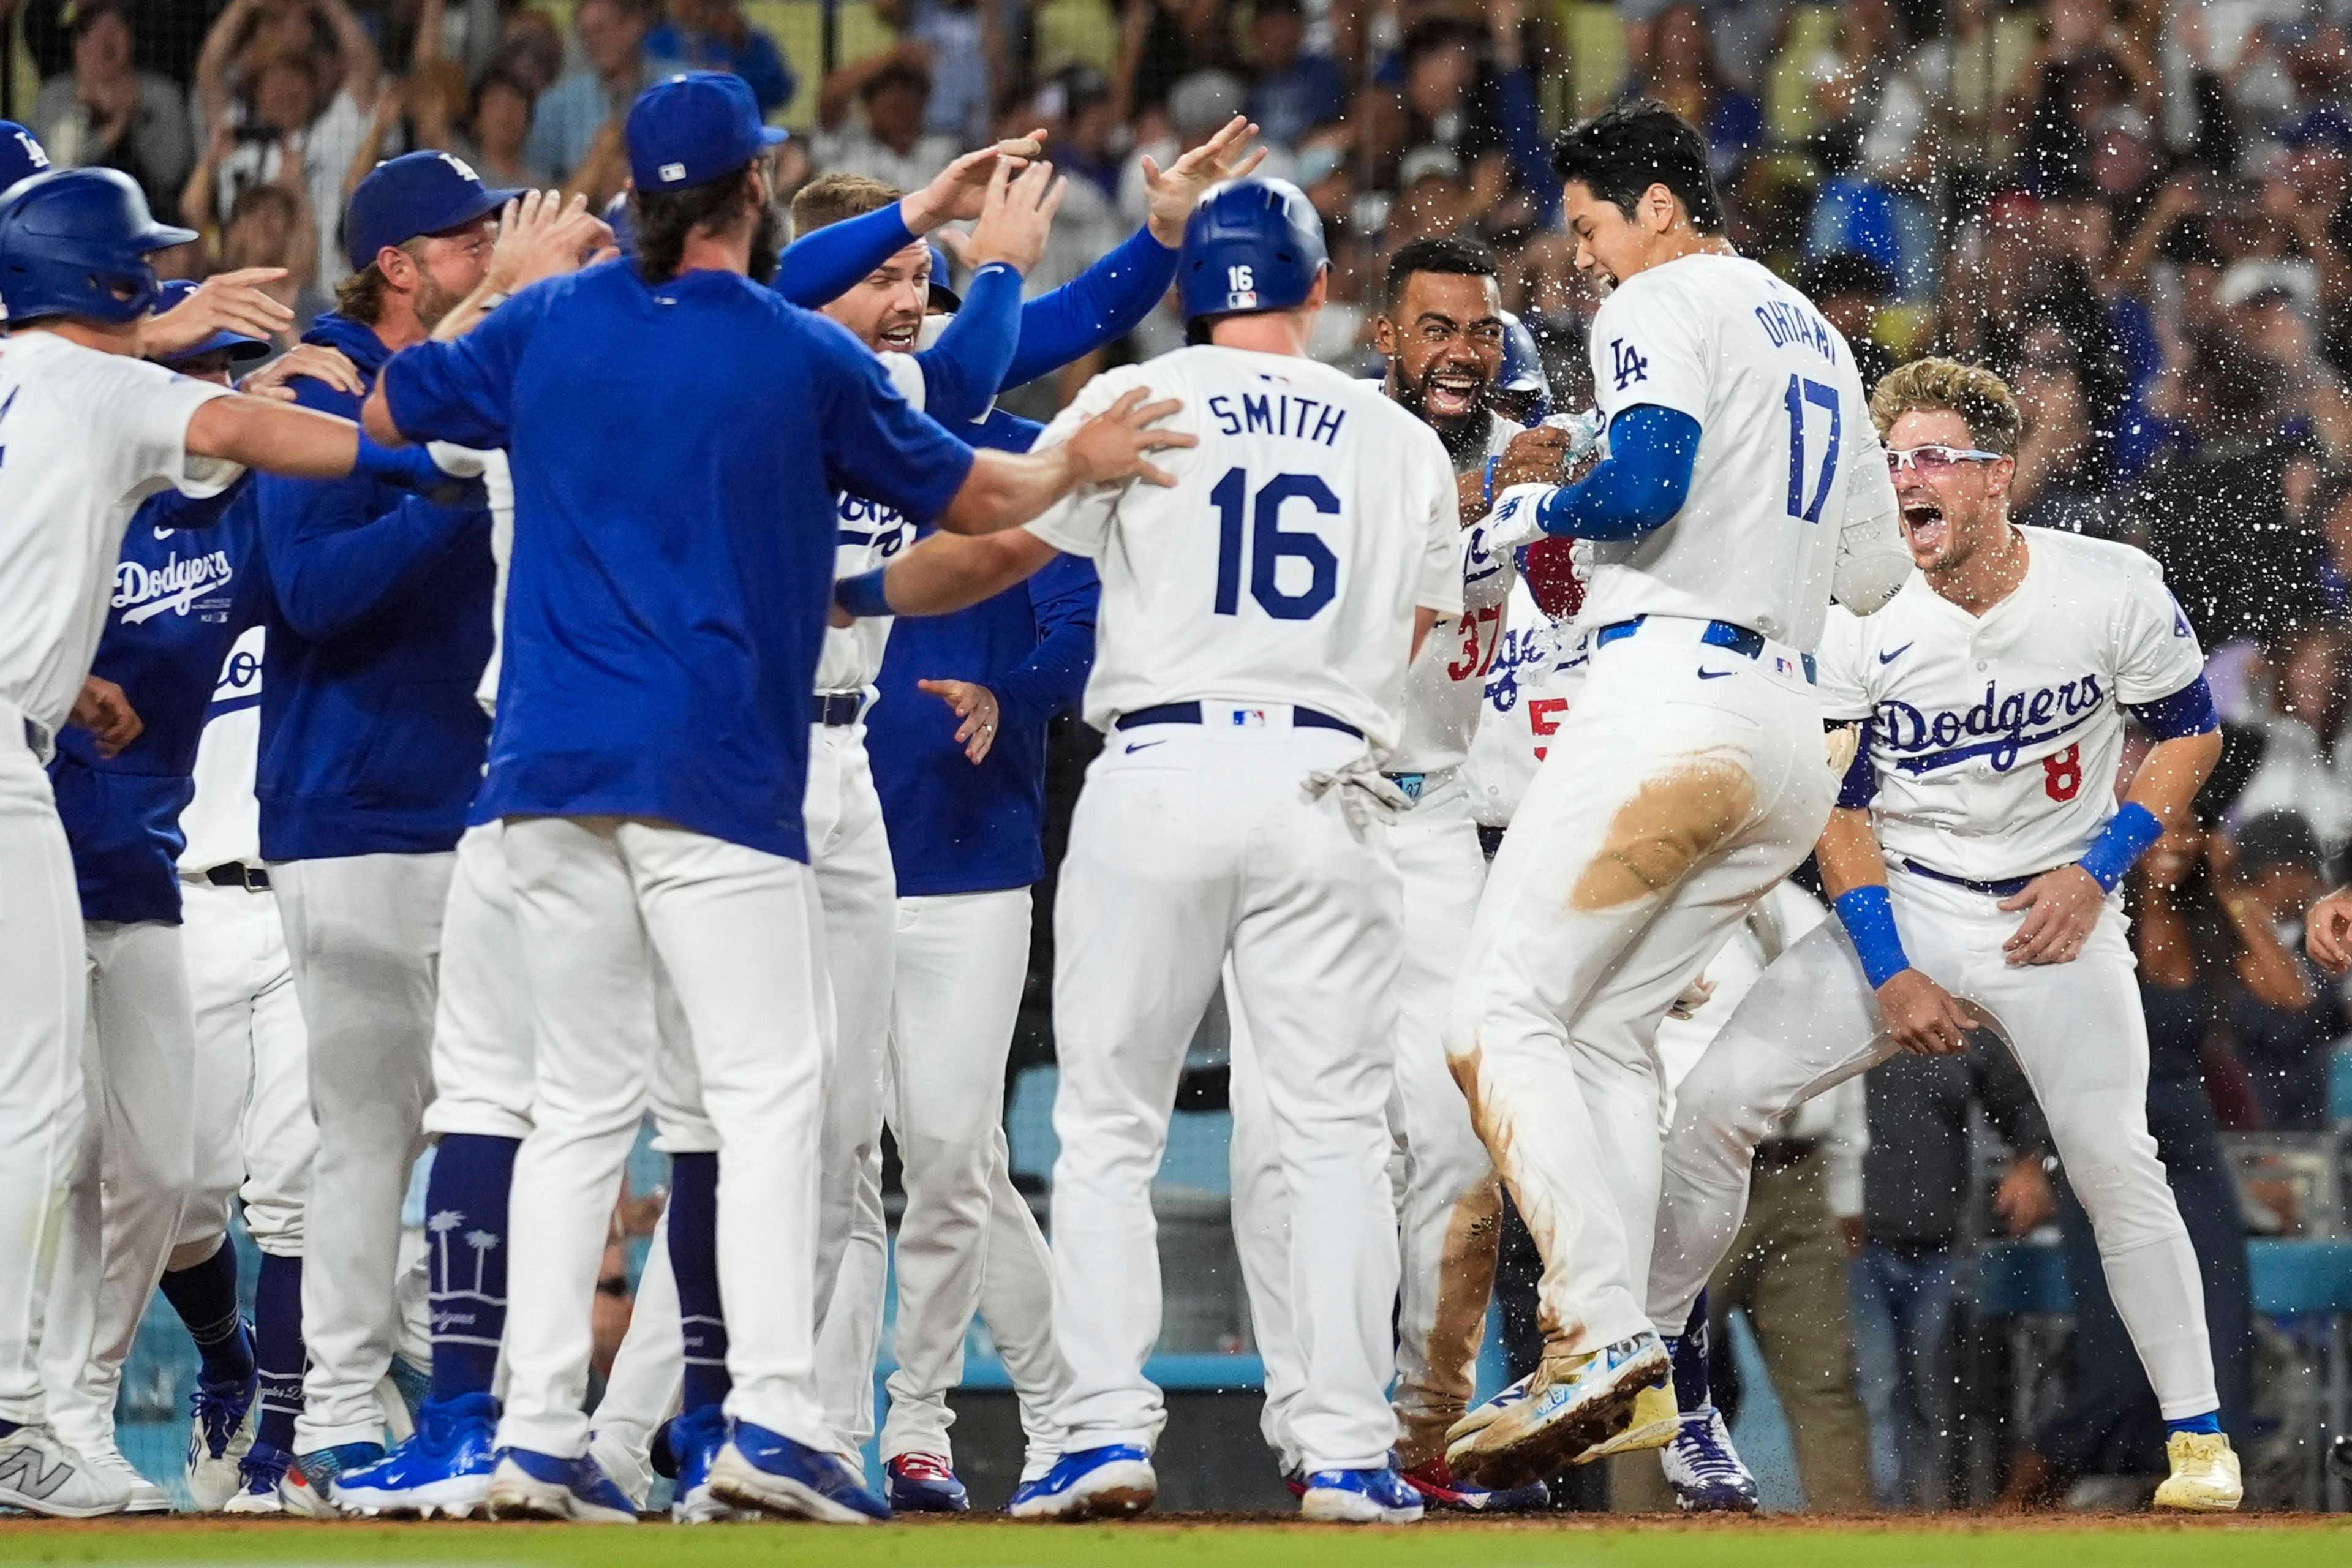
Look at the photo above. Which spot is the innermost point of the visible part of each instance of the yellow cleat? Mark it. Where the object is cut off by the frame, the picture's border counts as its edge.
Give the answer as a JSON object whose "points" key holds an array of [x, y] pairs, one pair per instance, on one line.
{"points": [[2204, 1476], [1655, 1423]]}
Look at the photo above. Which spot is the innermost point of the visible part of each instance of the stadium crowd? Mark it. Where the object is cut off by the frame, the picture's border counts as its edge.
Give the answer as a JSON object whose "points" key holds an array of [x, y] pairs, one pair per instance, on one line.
{"points": [[2140, 213]]}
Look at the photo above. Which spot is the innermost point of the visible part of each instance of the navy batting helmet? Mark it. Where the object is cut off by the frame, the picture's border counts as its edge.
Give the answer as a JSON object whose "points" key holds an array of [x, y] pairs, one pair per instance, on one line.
{"points": [[1523, 370], [1250, 245], [75, 242]]}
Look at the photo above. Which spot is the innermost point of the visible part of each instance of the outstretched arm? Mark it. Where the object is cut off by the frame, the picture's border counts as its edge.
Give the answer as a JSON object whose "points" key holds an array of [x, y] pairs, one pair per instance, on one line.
{"points": [[1003, 490], [945, 572]]}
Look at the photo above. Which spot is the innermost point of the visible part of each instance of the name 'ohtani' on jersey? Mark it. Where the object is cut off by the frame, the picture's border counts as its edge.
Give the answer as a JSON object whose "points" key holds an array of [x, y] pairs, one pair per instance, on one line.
{"points": [[1785, 321], [1280, 413], [1918, 742]]}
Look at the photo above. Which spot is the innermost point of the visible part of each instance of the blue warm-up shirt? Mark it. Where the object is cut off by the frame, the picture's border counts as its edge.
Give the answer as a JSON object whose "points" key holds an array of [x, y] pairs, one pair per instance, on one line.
{"points": [[380, 625], [185, 585], [954, 826], [675, 451]]}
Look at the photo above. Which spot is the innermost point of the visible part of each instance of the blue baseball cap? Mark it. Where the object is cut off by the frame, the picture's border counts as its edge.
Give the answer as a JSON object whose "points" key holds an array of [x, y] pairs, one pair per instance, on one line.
{"points": [[21, 156], [694, 128], [416, 193], [237, 346]]}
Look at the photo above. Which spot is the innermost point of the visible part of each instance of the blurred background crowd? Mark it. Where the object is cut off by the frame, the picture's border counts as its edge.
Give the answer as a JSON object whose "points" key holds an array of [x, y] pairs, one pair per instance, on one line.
{"points": [[2139, 211]]}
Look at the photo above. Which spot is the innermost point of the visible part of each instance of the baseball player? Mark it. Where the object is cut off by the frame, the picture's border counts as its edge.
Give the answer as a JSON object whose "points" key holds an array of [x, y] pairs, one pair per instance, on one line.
{"points": [[1974, 860], [109, 431], [1741, 476], [1251, 678], [625, 657]]}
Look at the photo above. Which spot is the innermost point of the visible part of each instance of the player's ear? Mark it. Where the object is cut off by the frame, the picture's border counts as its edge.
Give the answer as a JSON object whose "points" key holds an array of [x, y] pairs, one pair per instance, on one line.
{"points": [[1385, 338], [1320, 295]]}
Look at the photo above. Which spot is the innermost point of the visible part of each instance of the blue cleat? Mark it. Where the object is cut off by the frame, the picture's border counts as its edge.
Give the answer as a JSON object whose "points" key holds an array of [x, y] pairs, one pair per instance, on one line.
{"points": [[308, 1486], [530, 1485], [694, 1440], [1359, 1497], [926, 1483], [758, 1468], [1115, 1481], [1441, 1489], [1703, 1469], [219, 1433], [1572, 1402], [445, 1469]]}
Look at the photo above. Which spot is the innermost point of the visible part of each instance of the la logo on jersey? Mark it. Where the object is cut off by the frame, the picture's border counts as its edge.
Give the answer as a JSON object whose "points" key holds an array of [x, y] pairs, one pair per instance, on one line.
{"points": [[1241, 289], [1626, 364]]}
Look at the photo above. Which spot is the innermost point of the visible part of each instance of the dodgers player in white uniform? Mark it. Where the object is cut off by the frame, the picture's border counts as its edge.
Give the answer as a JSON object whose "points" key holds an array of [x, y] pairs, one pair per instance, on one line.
{"points": [[96, 432], [1974, 860], [1688, 778], [1252, 677]]}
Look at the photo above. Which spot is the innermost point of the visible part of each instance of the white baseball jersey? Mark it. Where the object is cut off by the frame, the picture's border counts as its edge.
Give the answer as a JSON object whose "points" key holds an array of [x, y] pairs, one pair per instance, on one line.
{"points": [[1788, 459], [1285, 564], [1444, 688], [871, 533], [1531, 682], [1995, 740], [498, 478], [85, 437]]}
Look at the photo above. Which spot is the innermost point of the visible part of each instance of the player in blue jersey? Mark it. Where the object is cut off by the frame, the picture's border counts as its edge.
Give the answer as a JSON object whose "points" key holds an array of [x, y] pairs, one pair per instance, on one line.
{"points": [[650, 758]]}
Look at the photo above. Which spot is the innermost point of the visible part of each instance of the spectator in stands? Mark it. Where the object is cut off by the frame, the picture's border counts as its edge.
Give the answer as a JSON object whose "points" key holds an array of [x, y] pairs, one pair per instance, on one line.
{"points": [[531, 50], [2284, 1034], [1161, 42], [964, 49], [1681, 71], [2306, 751], [1293, 89], [2062, 470], [496, 138], [1850, 290], [567, 116], [712, 35], [892, 91], [107, 113], [1916, 1179], [270, 227]]}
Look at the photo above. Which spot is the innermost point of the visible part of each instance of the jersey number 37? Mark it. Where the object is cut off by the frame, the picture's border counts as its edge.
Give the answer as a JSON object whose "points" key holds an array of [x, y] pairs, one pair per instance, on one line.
{"points": [[1238, 512]]}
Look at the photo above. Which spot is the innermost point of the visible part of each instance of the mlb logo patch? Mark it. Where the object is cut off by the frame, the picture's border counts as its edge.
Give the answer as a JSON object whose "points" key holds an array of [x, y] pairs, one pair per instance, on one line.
{"points": [[1249, 718], [1783, 666], [671, 173], [1243, 301]]}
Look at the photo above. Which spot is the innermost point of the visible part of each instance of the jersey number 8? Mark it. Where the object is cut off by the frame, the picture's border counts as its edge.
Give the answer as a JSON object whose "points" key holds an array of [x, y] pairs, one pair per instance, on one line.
{"points": [[1270, 546]]}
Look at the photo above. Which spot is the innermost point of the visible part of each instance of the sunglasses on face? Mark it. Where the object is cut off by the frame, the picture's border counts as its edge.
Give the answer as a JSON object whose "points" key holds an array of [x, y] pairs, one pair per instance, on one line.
{"points": [[1934, 462]]}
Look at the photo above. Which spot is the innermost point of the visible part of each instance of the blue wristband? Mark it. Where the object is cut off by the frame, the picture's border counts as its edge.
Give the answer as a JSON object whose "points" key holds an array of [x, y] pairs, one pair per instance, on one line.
{"points": [[2119, 845], [862, 595], [1868, 915], [390, 465], [1492, 464]]}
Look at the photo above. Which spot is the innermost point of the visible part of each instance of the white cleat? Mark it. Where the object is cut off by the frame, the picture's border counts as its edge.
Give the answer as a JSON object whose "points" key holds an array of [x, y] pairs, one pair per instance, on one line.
{"points": [[2204, 1478], [41, 1475]]}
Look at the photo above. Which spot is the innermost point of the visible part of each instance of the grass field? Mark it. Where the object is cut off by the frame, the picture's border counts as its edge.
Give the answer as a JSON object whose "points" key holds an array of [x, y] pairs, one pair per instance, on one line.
{"points": [[1949, 1542]]}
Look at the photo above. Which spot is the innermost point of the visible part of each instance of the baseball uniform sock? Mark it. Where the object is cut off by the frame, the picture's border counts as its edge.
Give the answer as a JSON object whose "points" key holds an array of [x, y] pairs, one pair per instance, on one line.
{"points": [[277, 1349], [2208, 1422], [1688, 1350], [204, 1295], [466, 1259], [694, 1258]]}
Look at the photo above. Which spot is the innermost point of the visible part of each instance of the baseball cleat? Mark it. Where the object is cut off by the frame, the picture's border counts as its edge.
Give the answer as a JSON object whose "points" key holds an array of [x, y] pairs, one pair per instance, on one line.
{"points": [[2204, 1478], [1703, 1469], [144, 1495], [1572, 1401], [531, 1485], [1115, 1481], [308, 1488], [445, 1469], [259, 1476], [1440, 1488], [629, 1470], [758, 1468], [1488, 1411], [926, 1483], [1653, 1425], [220, 1430], [695, 1439], [1360, 1496], [41, 1475]]}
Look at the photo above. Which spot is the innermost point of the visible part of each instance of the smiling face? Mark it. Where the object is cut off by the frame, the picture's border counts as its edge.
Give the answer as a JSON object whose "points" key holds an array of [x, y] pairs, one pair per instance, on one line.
{"points": [[886, 308], [1610, 246], [1948, 515], [1444, 345]]}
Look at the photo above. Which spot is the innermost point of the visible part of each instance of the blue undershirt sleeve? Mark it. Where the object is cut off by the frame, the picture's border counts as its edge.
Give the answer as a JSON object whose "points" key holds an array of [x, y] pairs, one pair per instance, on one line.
{"points": [[962, 371], [1063, 596], [1637, 487], [1099, 306], [2188, 711], [822, 266]]}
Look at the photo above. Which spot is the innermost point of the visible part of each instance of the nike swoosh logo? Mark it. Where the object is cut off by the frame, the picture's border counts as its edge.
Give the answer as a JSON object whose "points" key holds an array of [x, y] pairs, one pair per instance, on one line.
{"points": [[165, 532], [1716, 674], [1134, 746], [1898, 653]]}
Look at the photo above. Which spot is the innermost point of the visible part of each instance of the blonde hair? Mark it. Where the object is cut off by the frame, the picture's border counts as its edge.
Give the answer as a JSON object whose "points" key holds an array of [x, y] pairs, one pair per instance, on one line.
{"points": [[830, 199], [1971, 391]]}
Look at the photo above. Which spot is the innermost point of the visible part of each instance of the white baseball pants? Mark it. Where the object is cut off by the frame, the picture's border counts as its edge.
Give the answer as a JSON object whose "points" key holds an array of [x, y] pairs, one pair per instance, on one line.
{"points": [[967, 1241], [1686, 781], [2078, 1033], [41, 1029], [1192, 842], [134, 1175], [849, 853], [255, 1138], [482, 1027], [738, 934], [364, 934], [648, 1370]]}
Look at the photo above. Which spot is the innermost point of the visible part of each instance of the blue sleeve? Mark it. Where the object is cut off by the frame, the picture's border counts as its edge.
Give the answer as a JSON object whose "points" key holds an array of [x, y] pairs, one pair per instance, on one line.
{"points": [[335, 555], [463, 390], [876, 443], [2188, 711], [1640, 484], [761, 65], [1099, 306], [1523, 137], [962, 371], [824, 266], [1061, 597]]}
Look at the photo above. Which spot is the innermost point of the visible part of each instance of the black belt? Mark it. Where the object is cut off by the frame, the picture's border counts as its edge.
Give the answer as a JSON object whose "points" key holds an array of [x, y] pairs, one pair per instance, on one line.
{"points": [[1189, 713], [237, 874], [37, 739], [1779, 1153], [1719, 633], [836, 709], [1998, 890]]}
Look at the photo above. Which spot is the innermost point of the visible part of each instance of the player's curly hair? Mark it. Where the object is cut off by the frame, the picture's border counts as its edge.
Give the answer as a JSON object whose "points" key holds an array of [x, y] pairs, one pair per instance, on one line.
{"points": [[1971, 391], [665, 219]]}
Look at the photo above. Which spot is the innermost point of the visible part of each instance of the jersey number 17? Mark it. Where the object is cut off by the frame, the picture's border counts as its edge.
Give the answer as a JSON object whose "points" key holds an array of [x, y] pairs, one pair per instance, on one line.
{"points": [[1269, 546], [1801, 396]]}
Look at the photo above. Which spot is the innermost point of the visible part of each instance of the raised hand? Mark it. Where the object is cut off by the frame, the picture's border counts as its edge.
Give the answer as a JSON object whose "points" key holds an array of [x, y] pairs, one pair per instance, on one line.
{"points": [[225, 302], [542, 235], [1018, 216], [1175, 192], [960, 191], [2328, 931]]}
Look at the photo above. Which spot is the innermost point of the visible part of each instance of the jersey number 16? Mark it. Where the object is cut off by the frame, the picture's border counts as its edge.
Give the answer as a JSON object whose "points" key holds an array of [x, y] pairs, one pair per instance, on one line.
{"points": [[1269, 546]]}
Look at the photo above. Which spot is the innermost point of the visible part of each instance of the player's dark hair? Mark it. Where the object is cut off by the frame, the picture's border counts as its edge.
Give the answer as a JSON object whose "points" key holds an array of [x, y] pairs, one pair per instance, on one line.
{"points": [[1444, 253], [1622, 151], [665, 220]]}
